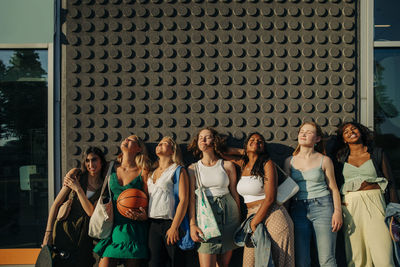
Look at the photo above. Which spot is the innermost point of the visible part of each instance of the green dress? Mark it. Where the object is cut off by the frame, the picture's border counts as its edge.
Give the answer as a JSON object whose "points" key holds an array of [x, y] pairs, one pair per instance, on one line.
{"points": [[71, 236], [128, 239]]}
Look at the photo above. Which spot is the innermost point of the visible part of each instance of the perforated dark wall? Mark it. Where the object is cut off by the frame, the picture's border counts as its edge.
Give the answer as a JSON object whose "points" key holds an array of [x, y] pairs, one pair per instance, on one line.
{"points": [[157, 68]]}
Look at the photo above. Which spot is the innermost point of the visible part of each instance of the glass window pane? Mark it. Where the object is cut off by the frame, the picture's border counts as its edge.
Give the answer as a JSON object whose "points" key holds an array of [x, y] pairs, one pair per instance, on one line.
{"points": [[387, 103], [23, 147], [386, 20]]}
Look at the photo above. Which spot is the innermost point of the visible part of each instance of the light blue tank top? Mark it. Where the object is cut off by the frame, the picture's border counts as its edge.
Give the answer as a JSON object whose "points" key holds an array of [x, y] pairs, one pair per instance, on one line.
{"points": [[311, 183], [355, 176]]}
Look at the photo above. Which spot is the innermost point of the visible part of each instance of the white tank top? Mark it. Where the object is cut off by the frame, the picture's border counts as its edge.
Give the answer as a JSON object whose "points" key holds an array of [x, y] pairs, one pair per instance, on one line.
{"points": [[250, 188], [161, 195], [214, 179]]}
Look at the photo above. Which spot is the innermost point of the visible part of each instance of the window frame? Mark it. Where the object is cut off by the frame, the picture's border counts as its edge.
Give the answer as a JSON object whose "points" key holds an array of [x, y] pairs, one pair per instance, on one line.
{"points": [[50, 108]]}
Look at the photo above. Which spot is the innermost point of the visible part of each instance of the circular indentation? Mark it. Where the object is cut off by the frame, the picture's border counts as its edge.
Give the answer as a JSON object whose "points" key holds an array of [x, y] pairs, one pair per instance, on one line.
{"points": [[197, 122], [267, 107], [267, 121], [280, 121], [349, 93], [308, 107], [348, 79], [349, 108], [253, 121], [280, 107], [322, 93], [334, 107], [239, 108], [348, 25], [308, 93], [183, 108], [294, 122], [307, 38]]}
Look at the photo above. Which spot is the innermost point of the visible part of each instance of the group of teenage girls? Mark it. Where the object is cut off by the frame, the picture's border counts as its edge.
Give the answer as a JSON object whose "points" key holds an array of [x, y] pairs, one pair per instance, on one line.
{"points": [[316, 212]]}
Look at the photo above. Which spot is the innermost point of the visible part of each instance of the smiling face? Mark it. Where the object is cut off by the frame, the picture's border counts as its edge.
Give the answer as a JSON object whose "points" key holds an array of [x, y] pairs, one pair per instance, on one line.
{"points": [[205, 140], [255, 144], [308, 135], [93, 164], [164, 148], [131, 145], [351, 134]]}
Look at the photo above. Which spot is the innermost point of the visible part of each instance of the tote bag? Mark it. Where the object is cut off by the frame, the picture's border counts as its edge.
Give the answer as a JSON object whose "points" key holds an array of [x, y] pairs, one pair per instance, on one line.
{"points": [[287, 189], [205, 218], [101, 222]]}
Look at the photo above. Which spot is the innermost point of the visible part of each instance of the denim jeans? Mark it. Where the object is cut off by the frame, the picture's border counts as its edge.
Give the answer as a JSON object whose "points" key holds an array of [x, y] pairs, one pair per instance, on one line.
{"points": [[313, 217]]}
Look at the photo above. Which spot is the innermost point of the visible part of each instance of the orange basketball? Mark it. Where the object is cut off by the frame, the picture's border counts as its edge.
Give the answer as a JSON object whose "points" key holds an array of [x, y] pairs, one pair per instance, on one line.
{"points": [[131, 199]]}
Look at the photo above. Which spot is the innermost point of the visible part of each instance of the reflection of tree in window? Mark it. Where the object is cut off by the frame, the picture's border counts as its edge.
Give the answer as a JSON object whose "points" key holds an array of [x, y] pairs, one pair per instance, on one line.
{"points": [[383, 105], [22, 95]]}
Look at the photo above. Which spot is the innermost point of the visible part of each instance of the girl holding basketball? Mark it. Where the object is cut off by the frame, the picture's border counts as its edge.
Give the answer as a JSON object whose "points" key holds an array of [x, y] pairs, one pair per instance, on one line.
{"points": [[218, 178], [164, 218], [70, 234], [128, 240]]}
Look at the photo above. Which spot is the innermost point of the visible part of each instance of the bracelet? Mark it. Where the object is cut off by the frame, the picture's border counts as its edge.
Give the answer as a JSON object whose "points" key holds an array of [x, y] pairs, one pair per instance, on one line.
{"points": [[49, 231]]}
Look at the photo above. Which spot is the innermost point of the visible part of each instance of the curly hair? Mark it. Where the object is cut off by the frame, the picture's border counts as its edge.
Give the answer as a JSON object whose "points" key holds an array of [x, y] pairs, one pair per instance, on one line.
{"points": [[263, 157], [320, 146], [343, 150], [218, 143], [142, 159]]}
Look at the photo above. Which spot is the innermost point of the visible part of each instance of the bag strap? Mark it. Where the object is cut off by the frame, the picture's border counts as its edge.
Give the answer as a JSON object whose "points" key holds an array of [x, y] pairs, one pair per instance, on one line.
{"points": [[176, 185], [107, 181], [197, 175], [279, 168]]}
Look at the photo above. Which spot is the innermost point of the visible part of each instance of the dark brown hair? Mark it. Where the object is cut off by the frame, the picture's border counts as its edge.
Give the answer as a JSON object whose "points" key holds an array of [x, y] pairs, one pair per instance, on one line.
{"points": [[84, 172], [367, 138], [263, 157]]}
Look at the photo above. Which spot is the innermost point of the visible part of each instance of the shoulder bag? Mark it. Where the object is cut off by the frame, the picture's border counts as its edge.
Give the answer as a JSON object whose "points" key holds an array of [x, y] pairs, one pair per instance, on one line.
{"points": [[287, 189], [185, 242], [205, 218], [65, 208], [101, 221]]}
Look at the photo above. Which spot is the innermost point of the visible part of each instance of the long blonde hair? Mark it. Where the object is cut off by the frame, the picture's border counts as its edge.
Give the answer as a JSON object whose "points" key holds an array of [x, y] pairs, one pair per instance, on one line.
{"points": [[320, 146], [142, 159]]}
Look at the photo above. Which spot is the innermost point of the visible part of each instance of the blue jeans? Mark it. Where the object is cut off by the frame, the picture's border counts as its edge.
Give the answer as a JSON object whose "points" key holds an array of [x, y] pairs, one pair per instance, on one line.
{"points": [[313, 217]]}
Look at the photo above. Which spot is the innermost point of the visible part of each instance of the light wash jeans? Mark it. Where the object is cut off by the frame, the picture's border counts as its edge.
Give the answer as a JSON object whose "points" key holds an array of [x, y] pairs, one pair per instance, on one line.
{"points": [[313, 217]]}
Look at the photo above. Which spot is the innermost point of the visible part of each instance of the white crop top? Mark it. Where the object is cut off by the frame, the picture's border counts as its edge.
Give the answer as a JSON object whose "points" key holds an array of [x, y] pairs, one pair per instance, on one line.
{"points": [[214, 179], [250, 188]]}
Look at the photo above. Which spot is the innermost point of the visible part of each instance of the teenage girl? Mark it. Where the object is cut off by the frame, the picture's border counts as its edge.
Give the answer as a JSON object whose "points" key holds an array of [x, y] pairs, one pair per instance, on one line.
{"points": [[164, 218], [315, 209], [218, 177]]}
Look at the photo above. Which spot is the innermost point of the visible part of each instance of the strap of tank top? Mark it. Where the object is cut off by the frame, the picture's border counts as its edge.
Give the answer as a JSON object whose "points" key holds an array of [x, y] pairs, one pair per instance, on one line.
{"points": [[291, 160], [322, 160]]}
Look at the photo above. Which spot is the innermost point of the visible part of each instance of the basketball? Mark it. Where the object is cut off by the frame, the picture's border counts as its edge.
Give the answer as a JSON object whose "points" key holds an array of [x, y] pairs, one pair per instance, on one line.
{"points": [[131, 199]]}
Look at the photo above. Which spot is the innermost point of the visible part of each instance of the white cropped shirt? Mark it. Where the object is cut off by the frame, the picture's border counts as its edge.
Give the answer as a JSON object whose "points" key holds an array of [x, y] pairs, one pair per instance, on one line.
{"points": [[161, 195], [214, 179], [250, 188]]}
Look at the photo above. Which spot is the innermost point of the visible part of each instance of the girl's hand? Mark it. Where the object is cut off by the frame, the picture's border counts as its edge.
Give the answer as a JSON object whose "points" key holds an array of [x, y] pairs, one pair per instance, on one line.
{"points": [[47, 240], [137, 215], [72, 182], [253, 225], [337, 220], [172, 236], [195, 233]]}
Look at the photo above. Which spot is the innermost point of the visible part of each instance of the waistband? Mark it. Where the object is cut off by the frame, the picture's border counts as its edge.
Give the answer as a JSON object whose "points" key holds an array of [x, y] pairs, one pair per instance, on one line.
{"points": [[155, 220], [311, 200]]}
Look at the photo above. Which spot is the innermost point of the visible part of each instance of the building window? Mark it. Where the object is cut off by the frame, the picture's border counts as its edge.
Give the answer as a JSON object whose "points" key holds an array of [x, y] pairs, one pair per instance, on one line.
{"points": [[387, 79], [23, 147]]}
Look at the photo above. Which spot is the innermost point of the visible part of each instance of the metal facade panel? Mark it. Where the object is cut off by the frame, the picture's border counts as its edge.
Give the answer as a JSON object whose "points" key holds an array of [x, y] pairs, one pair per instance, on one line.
{"points": [[157, 68]]}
